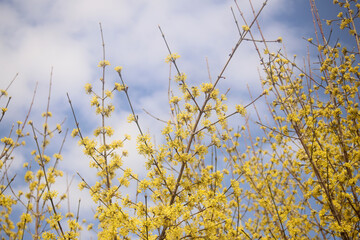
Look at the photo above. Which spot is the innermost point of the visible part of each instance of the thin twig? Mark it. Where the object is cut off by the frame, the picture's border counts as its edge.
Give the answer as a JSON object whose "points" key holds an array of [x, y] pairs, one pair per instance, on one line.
{"points": [[177, 69], [11, 82]]}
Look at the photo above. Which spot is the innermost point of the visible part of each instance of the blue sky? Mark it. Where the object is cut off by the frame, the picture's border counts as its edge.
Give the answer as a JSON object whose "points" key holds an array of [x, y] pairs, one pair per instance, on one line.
{"points": [[36, 35]]}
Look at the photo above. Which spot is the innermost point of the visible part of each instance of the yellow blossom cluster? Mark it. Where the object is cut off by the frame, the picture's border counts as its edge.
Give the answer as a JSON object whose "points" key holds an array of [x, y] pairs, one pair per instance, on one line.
{"points": [[172, 57], [103, 63]]}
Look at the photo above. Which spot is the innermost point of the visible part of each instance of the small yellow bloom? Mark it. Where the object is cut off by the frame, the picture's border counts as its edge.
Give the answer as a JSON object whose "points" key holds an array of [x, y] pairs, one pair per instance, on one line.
{"points": [[48, 235], [240, 109], [29, 176], [18, 131], [75, 132], [58, 127], [3, 92], [109, 94], [46, 114], [58, 156], [8, 141], [175, 100], [119, 87], [309, 39], [279, 40], [180, 78], [94, 101], [82, 185], [125, 153], [109, 131], [90, 226], [245, 28], [118, 69], [206, 87], [131, 118], [172, 57], [103, 63], [88, 88]]}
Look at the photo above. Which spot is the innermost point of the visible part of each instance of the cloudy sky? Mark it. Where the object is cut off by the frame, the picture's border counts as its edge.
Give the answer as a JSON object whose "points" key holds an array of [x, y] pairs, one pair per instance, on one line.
{"points": [[38, 35]]}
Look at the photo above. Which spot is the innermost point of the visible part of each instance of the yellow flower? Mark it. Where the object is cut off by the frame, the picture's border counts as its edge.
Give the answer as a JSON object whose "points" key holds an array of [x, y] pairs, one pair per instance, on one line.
{"points": [[46, 114], [48, 235], [131, 118], [58, 127], [82, 185], [206, 87], [245, 28], [3, 92], [125, 153], [175, 99], [240, 109], [181, 77], [7, 141], [118, 69], [279, 40], [75, 132], [109, 94], [57, 156], [103, 63], [29, 176], [172, 57], [109, 131], [90, 226], [119, 87], [94, 101], [88, 88]]}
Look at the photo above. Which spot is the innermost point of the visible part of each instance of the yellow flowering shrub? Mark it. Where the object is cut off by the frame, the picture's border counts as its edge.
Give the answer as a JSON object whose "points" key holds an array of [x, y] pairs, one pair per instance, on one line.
{"points": [[208, 178]]}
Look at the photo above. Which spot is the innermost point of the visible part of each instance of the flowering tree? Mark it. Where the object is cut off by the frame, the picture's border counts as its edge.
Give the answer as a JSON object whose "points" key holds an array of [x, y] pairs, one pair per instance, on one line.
{"points": [[298, 179]]}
